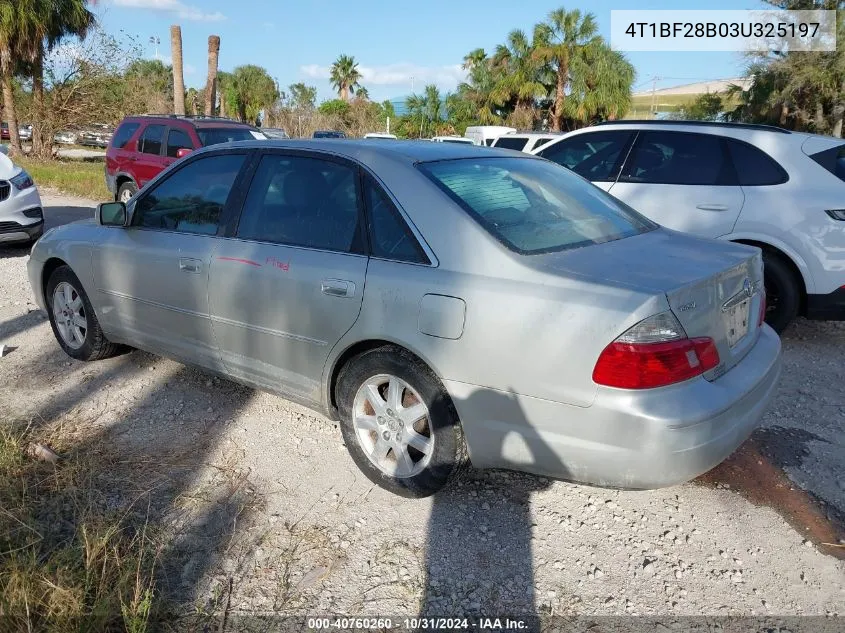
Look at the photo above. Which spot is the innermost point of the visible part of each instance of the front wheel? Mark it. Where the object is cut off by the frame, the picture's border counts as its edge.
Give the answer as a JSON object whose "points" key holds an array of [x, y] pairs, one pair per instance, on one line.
{"points": [[398, 422], [126, 191], [783, 295], [73, 320]]}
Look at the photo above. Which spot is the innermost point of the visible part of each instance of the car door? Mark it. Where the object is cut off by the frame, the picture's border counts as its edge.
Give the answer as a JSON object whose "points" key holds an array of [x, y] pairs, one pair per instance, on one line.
{"points": [[597, 156], [148, 161], [289, 283], [152, 276], [682, 180], [177, 139]]}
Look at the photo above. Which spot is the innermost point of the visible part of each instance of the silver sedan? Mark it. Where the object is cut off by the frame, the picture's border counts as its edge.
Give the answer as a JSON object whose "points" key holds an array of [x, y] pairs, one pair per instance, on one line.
{"points": [[436, 299]]}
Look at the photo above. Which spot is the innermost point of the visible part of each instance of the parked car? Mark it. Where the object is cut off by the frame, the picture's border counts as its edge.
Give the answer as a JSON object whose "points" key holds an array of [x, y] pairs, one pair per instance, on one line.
{"points": [[328, 134], [274, 132], [486, 134], [778, 190], [452, 139], [97, 135], [430, 296], [524, 142], [25, 132], [66, 137], [21, 217], [144, 145], [391, 137], [4, 131]]}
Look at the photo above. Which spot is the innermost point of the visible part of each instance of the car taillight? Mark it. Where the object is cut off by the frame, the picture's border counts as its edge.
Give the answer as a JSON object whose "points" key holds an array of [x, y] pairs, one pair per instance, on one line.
{"points": [[654, 353]]}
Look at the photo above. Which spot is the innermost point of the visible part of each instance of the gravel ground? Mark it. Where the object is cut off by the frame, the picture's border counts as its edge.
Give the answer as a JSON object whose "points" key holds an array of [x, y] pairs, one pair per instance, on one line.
{"points": [[260, 496]]}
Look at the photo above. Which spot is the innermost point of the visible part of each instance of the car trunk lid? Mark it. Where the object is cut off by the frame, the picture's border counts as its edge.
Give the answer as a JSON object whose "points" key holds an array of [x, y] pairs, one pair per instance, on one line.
{"points": [[714, 288]]}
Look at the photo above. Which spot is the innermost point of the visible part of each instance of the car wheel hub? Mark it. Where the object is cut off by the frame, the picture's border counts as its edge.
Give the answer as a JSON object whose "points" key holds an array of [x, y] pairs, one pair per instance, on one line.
{"points": [[392, 426], [69, 313]]}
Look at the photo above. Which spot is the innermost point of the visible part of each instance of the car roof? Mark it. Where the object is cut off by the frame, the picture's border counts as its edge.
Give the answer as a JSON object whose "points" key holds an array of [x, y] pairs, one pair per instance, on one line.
{"points": [[531, 135], [362, 150], [197, 121]]}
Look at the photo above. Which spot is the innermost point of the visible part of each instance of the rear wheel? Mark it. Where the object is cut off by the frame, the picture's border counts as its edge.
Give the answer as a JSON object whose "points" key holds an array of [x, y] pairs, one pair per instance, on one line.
{"points": [[783, 293], [398, 423], [73, 320], [126, 191]]}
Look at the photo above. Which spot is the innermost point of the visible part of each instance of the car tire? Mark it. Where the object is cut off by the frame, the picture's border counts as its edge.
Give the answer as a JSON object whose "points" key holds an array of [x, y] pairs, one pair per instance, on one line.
{"points": [[783, 293], [82, 343], [125, 191], [403, 469]]}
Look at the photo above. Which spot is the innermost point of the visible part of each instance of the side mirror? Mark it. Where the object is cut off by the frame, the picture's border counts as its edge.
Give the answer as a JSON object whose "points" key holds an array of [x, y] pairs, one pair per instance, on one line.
{"points": [[111, 214], [183, 151]]}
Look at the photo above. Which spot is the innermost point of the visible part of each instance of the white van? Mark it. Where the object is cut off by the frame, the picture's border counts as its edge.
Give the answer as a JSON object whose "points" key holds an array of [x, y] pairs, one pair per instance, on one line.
{"points": [[453, 139], [486, 134], [380, 135]]}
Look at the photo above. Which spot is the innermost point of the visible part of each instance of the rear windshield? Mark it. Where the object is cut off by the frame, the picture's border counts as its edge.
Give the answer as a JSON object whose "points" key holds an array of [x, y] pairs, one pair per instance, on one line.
{"points": [[535, 206], [832, 160], [214, 135]]}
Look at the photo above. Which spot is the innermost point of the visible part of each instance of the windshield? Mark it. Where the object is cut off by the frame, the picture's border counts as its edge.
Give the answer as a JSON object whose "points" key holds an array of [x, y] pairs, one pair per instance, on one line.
{"points": [[214, 135], [534, 206]]}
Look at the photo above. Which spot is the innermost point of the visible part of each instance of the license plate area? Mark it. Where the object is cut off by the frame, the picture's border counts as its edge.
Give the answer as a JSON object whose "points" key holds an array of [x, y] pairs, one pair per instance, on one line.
{"points": [[736, 322]]}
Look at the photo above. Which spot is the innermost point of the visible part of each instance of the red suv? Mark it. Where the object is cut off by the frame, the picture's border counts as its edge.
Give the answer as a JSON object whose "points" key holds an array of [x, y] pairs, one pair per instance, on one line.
{"points": [[144, 145]]}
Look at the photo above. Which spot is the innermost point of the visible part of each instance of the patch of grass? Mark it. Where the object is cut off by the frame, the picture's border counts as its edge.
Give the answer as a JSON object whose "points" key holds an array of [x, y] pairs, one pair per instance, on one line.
{"points": [[69, 561], [76, 178]]}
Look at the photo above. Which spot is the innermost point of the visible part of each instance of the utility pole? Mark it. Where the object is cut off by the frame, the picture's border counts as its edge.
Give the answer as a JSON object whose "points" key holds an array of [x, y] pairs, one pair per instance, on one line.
{"points": [[654, 81], [155, 42]]}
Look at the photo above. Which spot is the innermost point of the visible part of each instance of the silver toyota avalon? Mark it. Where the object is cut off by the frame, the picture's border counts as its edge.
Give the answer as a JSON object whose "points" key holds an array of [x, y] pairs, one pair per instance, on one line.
{"points": [[439, 300]]}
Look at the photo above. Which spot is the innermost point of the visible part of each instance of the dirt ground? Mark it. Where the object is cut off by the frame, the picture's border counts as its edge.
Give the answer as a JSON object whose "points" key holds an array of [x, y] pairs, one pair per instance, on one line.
{"points": [[266, 512]]}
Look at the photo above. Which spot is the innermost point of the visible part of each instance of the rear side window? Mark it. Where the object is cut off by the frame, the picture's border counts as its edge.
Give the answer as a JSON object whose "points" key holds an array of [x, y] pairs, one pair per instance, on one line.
{"points": [[832, 160], [596, 156], [176, 140], [150, 141], [124, 133], [677, 158], [214, 135], [754, 167], [303, 202], [534, 206], [509, 142], [191, 199], [390, 236]]}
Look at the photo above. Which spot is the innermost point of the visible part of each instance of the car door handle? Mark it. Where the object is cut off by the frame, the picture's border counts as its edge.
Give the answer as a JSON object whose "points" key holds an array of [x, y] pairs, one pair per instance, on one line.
{"points": [[337, 288], [190, 265], [712, 207]]}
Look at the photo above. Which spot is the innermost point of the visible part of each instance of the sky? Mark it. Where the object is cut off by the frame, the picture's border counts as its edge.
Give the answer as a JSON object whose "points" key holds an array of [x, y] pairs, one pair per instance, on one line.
{"points": [[399, 46]]}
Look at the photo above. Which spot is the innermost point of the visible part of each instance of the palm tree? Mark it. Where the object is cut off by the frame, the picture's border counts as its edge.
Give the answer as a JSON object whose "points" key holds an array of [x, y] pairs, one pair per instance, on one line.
{"points": [[344, 76], [478, 90], [362, 94], [29, 28], [557, 42], [600, 85], [211, 82], [519, 80], [178, 76]]}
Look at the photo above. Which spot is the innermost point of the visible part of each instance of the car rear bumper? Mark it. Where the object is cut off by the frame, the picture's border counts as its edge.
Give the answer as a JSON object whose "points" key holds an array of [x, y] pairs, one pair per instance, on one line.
{"points": [[829, 307], [625, 439]]}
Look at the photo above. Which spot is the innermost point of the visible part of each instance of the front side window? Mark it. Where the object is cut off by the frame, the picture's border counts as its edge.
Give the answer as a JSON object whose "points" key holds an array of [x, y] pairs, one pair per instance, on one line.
{"points": [[191, 200], [302, 201], [124, 133], [390, 236], [150, 141], [595, 156], [677, 158], [534, 206], [509, 142], [215, 135], [176, 140]]}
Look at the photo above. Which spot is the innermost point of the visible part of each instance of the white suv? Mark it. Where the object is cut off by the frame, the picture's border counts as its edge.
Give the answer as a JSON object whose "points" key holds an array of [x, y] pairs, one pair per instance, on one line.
{"points": [[21, 218], [781, 191]]}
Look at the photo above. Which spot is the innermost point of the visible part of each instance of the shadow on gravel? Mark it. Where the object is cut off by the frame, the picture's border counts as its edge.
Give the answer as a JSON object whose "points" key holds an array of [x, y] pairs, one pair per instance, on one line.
{"points": [[20, 323], [57, 215], [489, 514], [757, 472]]}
